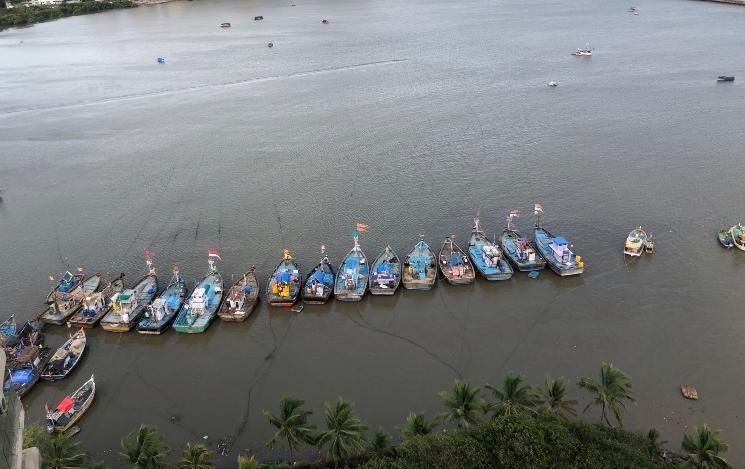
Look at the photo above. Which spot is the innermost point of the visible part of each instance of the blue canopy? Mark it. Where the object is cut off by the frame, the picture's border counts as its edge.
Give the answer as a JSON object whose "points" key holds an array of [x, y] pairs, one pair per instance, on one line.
{"points": [[560, 240], [284, 277], [384, 267], [247, 289], [172, 303], [318, 275], [21, 376]]}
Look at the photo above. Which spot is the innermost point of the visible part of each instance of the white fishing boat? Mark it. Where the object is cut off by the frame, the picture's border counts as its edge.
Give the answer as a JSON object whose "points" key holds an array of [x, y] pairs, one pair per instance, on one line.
{"points": [[583, 52], [737, 233], [636, 242]]}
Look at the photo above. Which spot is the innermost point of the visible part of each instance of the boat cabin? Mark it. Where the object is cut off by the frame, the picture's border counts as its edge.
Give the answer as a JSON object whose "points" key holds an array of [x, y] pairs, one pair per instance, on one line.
{"points": [[67, 282], [125, 303], [490, 255], [560, 250], [384, 275], [418, 265], [237, 296], [199, 300]]}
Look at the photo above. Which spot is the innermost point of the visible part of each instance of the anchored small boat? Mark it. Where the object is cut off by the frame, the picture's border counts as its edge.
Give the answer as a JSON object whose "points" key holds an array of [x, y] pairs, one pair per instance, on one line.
{"points": [[7, 329], [26, 358], [97, 304], [241, 298], [351, 280], [258, 18], [386, 273], [486, 255], [725, 78], [66, 284], [737, 234], [420, 268], [71, 408], [636, 242], [66, 358], [225, 25], [65, 304], [284, 284], [198, 311], [556, 250], [724, 239], [552, 83], [129, 305], [518, 249], [454, 264], [319, 285], [583, 52], [162, 311]]}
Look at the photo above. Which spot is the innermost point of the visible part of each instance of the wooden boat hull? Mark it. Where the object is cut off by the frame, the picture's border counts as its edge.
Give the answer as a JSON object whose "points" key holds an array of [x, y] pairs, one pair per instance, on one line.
{"points": [[187, 324], [725, 240], [87, 324], [738, 244], [355, 270], [111, 323], [238, 316], [175, 291], [53, 426], [231, 314], [449, 249], [294, 284], [424, 260], [349, 296], [63, 309], [390, 257], [508, 241], [23, 388], [559, 269], [314, 298], [418, 285], [50, 374]]}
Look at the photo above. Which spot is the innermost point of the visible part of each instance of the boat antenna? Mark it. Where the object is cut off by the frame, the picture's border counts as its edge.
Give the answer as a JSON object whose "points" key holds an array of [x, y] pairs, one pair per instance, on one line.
{"points": [[538, 210]]}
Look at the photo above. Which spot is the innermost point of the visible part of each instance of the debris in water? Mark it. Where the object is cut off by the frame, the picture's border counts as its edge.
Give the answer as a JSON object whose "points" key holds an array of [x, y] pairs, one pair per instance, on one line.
{"points": [[271, 44], [534, 273], [689, 392]]}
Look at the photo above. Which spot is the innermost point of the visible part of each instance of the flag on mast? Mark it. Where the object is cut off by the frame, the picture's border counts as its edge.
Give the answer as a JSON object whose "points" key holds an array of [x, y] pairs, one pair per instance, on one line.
{"points": [[361, 227], [478, 212], [148, 254], [514, 213], [214, 253], [538, 209]]}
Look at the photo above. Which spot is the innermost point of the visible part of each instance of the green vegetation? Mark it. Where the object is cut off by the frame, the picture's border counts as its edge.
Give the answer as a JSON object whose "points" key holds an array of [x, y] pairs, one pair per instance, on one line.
{"points": [[529, 428], [22, 15]]}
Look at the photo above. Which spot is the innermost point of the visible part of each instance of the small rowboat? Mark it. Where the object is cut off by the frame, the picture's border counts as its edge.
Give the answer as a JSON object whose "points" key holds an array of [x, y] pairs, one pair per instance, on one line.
{"points": [[725, 78], [198, 311], [386, 273], [96, 305], [283, 288], [420, 268], [351, 280], [724, 239], [65, 358], [129, 305], [25, 368], [162, 311], [737, 234], [319, 286], [225, 25], [636, 242], [486, 255], [241, 298], [454, 264], [71, 408], [66, 304]]}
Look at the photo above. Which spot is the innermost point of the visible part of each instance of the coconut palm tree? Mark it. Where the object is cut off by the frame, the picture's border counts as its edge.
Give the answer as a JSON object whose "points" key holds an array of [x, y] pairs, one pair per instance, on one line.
{"points": [[248, 462], [195, 456], [144, 448], [61, 453], [464, 404], [292, 424], [416, 424], [345, 431], [553, 396], [704, 447], [654, 441], [381, 444], [515, 397], [609, 394]]}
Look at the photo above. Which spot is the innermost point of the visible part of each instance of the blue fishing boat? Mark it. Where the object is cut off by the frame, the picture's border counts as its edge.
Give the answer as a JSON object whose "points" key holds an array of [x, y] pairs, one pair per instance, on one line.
{"points": [[66, 358], [420, 268], [241, 299], [128, 306], [283, 288], [67, 283], [556, 250], [65, 304], [7, 328], [198, 311], [386, 273], [724, 239], [319, 285], [163, 309], [27, 356], [351, 280], [486, 255], [455, 265], [518, 249]]}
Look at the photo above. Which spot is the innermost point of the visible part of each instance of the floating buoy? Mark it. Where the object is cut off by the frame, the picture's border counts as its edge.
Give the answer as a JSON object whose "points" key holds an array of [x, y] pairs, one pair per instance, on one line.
{"points": [[325, 21], [689, 392], [258, 18], [271, 44], [160, 60]]}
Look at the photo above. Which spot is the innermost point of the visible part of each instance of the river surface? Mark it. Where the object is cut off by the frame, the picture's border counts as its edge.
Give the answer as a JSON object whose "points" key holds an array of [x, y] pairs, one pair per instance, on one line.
{"points": [[407, 116]]}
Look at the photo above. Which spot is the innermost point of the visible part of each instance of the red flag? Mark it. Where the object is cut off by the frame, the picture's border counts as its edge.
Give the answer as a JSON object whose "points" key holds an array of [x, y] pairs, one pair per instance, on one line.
{"points": [[514, 212], [478, 212], [148, 254], [214, 253]]}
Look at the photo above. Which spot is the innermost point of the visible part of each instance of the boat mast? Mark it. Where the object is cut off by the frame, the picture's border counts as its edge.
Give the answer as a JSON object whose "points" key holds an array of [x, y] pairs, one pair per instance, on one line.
{"points": [[538, 210]]}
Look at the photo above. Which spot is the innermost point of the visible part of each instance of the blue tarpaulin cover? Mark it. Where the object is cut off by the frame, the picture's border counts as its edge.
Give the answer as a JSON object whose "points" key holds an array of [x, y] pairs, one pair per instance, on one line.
{"points": [[284, 277], [247, 289], [21, 376], [560, 240]]}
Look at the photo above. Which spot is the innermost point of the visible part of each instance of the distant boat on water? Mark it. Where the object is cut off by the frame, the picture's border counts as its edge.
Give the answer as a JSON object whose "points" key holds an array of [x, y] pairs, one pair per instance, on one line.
{"points": [[420, 268], [556, 250], [241, 299], [225, 25], [724, 239], [129, 305], [454, 264], [283, 288], [351, 280], [71, 408], [636, 242], [737, 234], [583, 51], [199, 310], [486, 255], [66, 358], [725, 78], [518, 249]]}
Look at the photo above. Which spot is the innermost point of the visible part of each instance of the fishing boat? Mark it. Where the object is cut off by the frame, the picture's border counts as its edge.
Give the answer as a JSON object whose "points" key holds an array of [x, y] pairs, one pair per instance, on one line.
{"points": [[71, 408], [636, 242], [724, 239], [283, 287], [351, 279], [518, 249], [66, 357], [65, 284], [65, 304], [386, 273], [725, 78], [486, 255], [241, 298], [583, 52], [556, 250], [97, 304], [7, 329], [26, 358], [737, 234], [454, 264], [199, 309], [420, 268], [319, 285], [225, 25], [161, 312], [128, 306]]}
